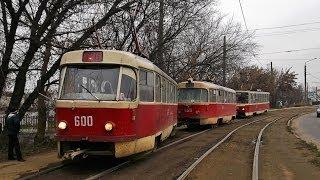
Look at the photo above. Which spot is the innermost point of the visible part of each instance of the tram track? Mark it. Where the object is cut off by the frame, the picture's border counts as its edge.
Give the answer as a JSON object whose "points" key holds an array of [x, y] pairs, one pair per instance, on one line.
{"points": [[112, 170], [116, 166], [190, 174], [193, 165], [124, 163]]}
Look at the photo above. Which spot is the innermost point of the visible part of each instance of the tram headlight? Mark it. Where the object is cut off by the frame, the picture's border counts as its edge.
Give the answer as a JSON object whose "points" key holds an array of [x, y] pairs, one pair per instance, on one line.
{"points": [[62, 125], [108, 126], [242, 109]]}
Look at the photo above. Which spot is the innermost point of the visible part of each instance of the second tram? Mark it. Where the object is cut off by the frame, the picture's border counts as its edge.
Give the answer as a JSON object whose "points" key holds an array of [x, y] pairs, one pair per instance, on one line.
{"points": [[252, 102], [205, 103]]}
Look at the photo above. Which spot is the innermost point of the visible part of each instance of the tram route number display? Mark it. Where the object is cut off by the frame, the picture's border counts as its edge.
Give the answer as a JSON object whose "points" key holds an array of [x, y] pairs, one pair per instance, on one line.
{"points": [[83, 121]]}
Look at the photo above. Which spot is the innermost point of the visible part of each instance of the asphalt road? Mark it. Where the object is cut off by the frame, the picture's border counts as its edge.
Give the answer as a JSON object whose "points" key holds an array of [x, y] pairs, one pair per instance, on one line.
{"points": [[310, 125]]}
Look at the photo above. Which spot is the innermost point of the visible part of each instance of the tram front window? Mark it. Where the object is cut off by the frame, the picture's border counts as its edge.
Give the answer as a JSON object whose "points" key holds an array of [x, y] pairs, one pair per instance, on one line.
{"points": [[242, 97], [96, 83], [193, 95]]}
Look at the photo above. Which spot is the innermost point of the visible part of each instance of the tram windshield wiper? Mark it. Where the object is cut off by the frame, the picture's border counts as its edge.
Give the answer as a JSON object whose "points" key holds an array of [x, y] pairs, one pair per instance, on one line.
{"points": [[90, 93]]}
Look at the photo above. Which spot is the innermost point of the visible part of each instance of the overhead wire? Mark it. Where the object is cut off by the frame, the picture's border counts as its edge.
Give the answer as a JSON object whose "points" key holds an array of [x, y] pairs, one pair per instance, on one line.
{"points": [[290, 51], [313, 76], [286, 26], [284, 59], [244, 18], [280, 33]]}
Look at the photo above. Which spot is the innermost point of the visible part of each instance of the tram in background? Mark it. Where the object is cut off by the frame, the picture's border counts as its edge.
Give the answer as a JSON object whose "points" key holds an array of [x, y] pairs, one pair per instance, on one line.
{"points": [[205, 103], [252, 102], [112, 103]]}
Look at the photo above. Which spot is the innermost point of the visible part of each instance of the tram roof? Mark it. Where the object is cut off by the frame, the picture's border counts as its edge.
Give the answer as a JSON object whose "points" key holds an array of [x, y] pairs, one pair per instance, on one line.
{"points": [[253, 92], [113, 57], [205, 84]]}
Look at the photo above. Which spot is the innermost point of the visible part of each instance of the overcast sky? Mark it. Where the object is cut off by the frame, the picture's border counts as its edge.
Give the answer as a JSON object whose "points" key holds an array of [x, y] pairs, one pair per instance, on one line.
{"points": [[275, 13]]}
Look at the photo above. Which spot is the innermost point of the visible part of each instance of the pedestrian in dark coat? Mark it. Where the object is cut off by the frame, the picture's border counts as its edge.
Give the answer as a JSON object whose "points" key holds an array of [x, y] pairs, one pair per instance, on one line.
{"points": [[13, 128]]}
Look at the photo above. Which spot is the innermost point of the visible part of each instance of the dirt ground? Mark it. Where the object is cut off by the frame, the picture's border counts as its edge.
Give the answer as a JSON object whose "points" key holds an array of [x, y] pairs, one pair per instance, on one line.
{"points": [[13, 169]]}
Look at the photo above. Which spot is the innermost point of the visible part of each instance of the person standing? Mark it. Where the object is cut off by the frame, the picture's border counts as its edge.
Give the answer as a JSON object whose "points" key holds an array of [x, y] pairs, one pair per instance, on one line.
{"points": [[13, 128]]}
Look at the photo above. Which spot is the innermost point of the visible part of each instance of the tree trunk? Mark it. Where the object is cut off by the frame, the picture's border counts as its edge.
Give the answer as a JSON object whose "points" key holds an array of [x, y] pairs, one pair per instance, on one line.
{"points": [[41, 106], [10, 32]]}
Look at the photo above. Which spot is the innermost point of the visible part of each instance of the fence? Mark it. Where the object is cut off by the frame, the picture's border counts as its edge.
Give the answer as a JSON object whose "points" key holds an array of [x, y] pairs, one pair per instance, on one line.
{"points": [[30, 123]]}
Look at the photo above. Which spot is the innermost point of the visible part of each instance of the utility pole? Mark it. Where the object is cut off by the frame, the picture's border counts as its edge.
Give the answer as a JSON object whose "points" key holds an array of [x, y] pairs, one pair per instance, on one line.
{"points": [[317, 99], [305, 84], [160, 62], [224, 60], [274, 98]]}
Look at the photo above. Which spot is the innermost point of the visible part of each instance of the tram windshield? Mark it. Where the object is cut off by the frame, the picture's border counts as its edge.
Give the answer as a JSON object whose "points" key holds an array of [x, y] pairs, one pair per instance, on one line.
{"points": [[193, 95], [242, 97], [98, 83]]}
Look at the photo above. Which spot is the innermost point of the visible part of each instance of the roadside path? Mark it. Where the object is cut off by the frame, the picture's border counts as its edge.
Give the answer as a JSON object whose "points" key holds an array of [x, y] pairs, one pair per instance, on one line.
{"points": [[308, 128], [12, 169]]}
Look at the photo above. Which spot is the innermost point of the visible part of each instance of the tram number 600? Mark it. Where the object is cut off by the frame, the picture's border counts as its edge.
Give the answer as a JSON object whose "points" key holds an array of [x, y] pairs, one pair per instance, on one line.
{"points": [[83, 121]]}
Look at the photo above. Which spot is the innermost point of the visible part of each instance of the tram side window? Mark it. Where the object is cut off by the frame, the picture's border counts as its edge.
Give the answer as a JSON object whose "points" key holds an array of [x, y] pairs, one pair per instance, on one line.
{"points": [[128, 85], [229, 97], [225, 97], [220, 96], [158, 88], [251, 98], [259, 98], [172, 93], [146, 83], [169, 94], [204, 95], [168, 91], [213, 97], [163, 90], [175, 94]]}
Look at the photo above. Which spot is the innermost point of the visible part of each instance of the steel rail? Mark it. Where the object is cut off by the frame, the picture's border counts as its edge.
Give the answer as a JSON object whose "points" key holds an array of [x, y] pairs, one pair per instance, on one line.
{"points": [[102, 173], [46, 171], [255, 165], [192, 166]]}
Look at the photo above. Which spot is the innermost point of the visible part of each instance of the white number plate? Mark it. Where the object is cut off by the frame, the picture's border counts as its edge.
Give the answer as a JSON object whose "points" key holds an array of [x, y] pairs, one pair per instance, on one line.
{"points": [[83, 121]]}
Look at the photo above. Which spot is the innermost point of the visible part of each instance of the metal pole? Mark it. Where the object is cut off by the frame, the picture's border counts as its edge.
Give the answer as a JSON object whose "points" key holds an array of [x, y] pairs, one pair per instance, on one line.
{"points": [[160, 62], [305, 83], [317, 93], [224, 60]]}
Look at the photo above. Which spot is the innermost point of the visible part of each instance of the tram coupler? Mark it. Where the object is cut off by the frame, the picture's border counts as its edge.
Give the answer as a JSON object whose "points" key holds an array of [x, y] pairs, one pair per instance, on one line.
{"points": [[74, 154]]}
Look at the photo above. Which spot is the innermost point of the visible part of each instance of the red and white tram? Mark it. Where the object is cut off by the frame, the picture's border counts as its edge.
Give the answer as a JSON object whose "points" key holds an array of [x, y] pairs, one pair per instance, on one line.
{"points": [[112, 103], [205, 103], [252, 102]]}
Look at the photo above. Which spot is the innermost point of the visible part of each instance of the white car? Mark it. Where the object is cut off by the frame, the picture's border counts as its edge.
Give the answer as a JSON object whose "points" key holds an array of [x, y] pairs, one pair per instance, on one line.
{"points": [[318, 112]]}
